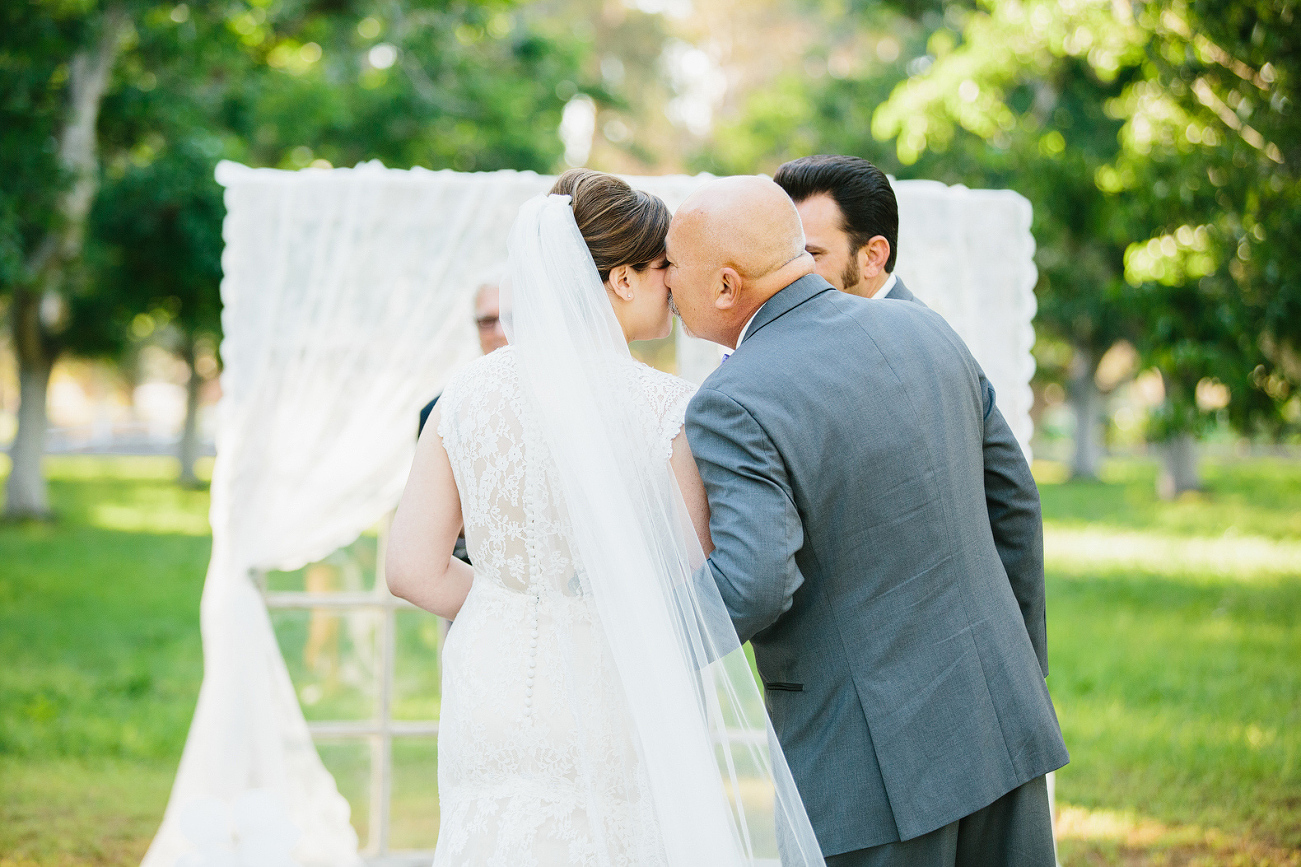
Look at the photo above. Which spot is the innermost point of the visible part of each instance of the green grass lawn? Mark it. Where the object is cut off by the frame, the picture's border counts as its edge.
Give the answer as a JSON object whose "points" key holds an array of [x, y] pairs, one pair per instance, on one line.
{"points": [[99, 617], [1173, 629], [1176, 665]]}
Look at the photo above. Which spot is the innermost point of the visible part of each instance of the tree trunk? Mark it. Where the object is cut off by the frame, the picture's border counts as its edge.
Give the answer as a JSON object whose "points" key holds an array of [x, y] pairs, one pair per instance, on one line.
{"points": [[1179, 471], [188, 451], [39, 312], [1086, 402], [25, 494]]}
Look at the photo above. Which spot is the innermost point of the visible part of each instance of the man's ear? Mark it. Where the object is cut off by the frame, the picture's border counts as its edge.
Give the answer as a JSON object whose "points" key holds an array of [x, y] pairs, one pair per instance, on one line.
{"points": [[872, 256], [727, 289]]}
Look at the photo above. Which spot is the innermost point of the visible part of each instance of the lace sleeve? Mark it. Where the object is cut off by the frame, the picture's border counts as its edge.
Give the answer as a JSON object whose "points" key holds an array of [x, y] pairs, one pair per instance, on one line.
{"points": [[444, 417], [448, 402], [668, 396]]}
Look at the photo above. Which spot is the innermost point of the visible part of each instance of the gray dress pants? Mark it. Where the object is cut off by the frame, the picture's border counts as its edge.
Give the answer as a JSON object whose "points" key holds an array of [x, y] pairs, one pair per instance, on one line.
{"points": [[1014, 831]]}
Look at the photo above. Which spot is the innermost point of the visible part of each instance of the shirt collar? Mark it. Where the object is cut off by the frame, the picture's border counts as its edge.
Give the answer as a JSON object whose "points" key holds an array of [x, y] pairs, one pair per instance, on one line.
{"points": [[784, 301], [748, 322], [884, 292], [887, 287]]}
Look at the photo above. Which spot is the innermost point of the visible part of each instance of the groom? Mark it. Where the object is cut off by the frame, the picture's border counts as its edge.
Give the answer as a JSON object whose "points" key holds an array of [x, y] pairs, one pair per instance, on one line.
{"points": [[844, 446]]}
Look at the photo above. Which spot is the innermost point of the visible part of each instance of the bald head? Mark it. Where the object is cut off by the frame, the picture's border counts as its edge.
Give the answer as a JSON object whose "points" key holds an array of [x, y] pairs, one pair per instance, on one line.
{"points": [[746, 221], [732, 245]]}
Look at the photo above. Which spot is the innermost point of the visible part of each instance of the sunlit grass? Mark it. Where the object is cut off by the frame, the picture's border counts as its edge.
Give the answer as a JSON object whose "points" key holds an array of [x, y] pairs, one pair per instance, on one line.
{"points": [[1127, 837], [1256, 497], [101, 660], [1176, 665], [1099, 552], [1175, 651], [149, 502]]}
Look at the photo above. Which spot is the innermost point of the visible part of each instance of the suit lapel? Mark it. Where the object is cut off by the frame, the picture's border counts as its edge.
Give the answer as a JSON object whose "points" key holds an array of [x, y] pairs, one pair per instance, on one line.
{"points": [[787, 300]]}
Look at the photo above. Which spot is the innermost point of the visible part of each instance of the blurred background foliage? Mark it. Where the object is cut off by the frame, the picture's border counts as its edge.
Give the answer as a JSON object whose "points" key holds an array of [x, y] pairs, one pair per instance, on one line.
{"points": [[1159, 143], [110, 218]]}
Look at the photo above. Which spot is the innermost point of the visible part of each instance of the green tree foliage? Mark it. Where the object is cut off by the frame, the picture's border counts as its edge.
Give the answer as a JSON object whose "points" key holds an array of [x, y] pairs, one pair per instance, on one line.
{"points": [[158, 233], [61, 57], [1158, 143], [470, 86], [1181, 159], [33, 64], [1015, 95], [1211, 166], [473, 85], [986, 99]]}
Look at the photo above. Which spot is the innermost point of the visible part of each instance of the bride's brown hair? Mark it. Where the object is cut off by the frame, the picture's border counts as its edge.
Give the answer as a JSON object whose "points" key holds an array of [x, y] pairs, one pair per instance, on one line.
{"points": [[621, 226]]}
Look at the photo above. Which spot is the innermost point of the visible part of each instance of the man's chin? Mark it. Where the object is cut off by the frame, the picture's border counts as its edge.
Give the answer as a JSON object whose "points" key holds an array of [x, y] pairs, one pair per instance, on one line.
{"points": [[685, 330], [677, 314]]}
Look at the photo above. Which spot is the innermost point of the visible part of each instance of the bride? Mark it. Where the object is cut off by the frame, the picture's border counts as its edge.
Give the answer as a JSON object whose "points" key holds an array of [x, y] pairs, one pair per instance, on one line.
{"points": [[597, 707]]}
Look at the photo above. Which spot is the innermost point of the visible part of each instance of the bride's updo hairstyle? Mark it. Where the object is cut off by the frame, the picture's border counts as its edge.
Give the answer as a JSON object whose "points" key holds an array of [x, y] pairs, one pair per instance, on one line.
{"points": [[621, 226]]}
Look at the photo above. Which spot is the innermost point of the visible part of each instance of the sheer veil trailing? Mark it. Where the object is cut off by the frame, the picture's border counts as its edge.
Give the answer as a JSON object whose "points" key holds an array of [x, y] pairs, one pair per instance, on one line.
{"points": [[721, 789]]}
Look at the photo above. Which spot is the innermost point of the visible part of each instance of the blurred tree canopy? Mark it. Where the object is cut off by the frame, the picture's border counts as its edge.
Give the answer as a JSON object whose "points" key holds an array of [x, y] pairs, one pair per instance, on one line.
{"points": [[57, 64], [1157, 141], [133, 103]]}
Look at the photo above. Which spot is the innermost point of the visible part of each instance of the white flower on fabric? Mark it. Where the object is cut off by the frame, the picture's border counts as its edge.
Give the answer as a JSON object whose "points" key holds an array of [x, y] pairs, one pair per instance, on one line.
{"points": [[254, 830]]}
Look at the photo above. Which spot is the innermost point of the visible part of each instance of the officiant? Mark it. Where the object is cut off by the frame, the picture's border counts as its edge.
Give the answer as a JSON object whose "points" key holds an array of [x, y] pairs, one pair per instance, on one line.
{"points": [[487, 319]]}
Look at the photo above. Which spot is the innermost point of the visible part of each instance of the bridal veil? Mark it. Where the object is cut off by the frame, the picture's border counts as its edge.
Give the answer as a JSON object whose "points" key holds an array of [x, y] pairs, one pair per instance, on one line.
{"points": [[721, 789]]}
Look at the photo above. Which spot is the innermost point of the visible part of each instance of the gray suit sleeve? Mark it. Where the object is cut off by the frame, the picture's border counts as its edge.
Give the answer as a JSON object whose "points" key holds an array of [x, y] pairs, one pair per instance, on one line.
{"points": [[753, 520], [1012, 500]]}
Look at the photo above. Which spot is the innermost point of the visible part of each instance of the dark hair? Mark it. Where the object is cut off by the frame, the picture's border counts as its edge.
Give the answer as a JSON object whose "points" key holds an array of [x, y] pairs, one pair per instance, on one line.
{"points": [[859, 188], [621, 226]]}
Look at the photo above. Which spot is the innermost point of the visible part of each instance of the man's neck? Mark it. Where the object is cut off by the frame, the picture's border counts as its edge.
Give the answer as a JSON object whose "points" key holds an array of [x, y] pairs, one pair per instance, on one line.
{"points": [[875, 287], [745, 329], [886, 286], [765, 287]]}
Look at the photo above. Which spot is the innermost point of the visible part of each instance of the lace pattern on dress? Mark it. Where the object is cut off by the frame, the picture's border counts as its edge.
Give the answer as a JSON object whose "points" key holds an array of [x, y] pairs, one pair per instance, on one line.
{"points": [[537, 761], [667, 396]]}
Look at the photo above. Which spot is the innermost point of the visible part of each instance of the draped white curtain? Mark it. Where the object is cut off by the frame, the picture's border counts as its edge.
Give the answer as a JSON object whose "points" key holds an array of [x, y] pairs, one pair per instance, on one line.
{"points": [[347, 302], [969, 255]]}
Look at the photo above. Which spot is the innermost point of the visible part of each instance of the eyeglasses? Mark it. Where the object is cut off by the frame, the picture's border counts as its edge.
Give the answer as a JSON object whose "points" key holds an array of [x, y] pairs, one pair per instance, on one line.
{"points": [[487, 323]]}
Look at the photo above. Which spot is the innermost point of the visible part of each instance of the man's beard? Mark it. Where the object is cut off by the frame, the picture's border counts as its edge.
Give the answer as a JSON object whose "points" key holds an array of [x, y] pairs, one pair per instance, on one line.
{"points": [[851, 275], [673, 308]]}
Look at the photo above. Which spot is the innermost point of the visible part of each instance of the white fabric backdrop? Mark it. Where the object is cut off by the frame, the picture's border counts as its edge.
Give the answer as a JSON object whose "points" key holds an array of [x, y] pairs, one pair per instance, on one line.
{"points": [[347, 301]]}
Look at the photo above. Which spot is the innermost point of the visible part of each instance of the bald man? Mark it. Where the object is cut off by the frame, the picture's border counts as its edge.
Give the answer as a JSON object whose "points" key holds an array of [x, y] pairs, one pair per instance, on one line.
{"points": [[843, 446]]}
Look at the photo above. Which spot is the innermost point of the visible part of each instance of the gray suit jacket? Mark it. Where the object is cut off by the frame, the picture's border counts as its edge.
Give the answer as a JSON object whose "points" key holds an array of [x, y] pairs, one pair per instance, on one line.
{"points": [[900, 293], [878, 539]]}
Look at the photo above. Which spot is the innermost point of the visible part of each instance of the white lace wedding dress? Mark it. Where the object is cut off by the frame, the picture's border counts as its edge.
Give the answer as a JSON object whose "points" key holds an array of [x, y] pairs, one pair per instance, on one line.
{"points": [[538, 764]]}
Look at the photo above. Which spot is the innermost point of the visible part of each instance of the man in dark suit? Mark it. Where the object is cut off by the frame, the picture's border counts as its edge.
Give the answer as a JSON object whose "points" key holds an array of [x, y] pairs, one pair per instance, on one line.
{"points": [[851, 222], [487, 318], [895, 606]]}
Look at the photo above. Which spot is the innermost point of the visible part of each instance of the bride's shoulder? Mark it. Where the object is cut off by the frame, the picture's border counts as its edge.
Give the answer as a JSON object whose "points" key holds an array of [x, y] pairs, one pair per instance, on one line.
{"points": [[498, 359], [493, 362], [667, 393], [490, 368], [656, 377]]}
